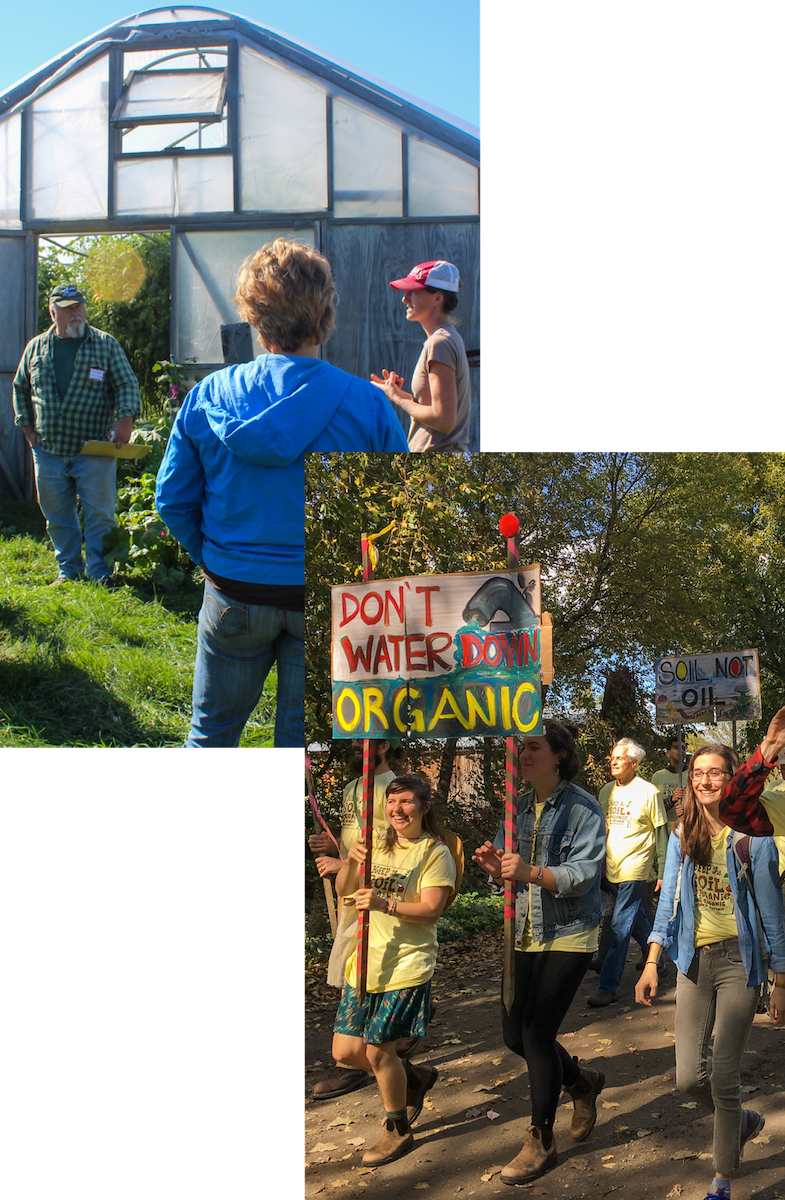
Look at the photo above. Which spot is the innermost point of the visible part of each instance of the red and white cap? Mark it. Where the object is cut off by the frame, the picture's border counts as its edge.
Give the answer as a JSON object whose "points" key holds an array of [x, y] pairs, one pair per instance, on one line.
{"points": [[438, 274]]}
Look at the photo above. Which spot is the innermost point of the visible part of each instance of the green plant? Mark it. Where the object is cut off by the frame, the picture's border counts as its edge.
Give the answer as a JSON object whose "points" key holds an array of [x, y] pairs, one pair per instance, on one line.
{"points": [[172, 380], [141, 539]]}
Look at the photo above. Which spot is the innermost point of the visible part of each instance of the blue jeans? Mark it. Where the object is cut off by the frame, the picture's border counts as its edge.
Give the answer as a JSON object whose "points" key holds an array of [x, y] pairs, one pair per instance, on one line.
{"points": [[627, 912], [237, 645], [60, 478]]}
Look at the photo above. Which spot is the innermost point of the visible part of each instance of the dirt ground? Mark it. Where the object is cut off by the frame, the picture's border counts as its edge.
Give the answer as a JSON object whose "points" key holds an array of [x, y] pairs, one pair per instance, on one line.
{"points": [[649, 1141]]}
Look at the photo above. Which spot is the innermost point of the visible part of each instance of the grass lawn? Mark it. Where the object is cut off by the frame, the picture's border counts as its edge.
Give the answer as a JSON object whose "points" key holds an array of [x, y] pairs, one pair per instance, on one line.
{"points": [[81, 665]]}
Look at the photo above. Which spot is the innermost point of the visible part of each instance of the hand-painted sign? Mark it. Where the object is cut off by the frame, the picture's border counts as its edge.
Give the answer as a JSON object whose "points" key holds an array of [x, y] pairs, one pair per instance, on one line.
{"points": [[708, 687], [425, 655]]}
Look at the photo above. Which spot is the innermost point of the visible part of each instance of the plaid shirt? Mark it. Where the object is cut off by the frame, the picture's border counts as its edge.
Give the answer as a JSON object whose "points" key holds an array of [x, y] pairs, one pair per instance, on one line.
{"points": [[103, 388], [740, 807]]}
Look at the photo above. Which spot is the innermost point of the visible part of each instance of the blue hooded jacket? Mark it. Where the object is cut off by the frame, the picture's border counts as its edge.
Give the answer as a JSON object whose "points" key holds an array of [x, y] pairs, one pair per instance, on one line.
{"points": [[231, 487]]}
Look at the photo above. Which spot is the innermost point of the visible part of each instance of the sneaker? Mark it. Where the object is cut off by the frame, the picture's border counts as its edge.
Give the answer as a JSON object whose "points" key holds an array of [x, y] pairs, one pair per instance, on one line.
{"points": [[752, 1122], [61, 579], [722, 1194]]}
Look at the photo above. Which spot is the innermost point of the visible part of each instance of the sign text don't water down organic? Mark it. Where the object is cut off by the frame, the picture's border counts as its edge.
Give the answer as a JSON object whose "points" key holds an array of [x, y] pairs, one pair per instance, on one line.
{"points": [[438, 655]]}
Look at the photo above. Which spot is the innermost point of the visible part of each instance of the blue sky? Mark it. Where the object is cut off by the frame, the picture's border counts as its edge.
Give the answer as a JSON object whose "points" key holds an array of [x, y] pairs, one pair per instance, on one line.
{"points": [[429, 51]]}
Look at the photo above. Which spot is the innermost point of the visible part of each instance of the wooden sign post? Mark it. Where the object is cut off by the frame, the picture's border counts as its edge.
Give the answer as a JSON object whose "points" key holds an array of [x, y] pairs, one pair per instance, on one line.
{"points": [[366, 815], [509, 526]]}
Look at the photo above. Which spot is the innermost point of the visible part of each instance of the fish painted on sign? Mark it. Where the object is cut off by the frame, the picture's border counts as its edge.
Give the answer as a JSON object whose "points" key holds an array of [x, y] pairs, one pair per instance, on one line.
{"points": [[500, 594]]}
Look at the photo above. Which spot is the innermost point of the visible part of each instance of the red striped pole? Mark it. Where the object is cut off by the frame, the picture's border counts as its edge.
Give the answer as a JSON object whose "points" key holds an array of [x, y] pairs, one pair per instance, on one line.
{"points": [[509, 527], [366, 818]]}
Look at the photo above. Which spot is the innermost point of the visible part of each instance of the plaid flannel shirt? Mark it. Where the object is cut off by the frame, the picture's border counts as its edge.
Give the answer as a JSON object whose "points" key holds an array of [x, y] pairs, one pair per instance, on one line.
{"points": [[740, 807], [103, 388]]}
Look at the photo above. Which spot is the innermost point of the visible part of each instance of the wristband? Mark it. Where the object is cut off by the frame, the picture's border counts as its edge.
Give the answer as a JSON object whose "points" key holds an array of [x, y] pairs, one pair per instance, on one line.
{"points": [[392, 904], [537, 877]]}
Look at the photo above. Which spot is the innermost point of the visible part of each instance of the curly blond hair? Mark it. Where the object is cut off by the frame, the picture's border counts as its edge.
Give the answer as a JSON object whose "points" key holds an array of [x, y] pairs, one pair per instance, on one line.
{"points": [[286, 291]]}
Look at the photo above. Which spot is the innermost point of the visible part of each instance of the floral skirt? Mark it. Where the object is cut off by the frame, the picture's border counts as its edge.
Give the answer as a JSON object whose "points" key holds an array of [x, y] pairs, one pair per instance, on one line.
{"points": [[384, 1016]]}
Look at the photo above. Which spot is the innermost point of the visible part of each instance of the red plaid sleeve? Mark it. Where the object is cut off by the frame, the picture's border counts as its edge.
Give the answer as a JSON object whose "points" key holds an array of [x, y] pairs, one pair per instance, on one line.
{"points": [[740, 807]]}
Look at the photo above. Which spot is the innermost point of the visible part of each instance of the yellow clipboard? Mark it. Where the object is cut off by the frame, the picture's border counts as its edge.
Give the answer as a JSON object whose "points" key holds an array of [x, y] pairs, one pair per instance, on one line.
{"points": [[109, 450]]}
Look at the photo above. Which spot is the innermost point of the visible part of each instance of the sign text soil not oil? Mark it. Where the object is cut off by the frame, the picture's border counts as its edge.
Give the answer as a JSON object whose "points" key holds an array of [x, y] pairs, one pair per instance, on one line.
{"points": [[708, 687], [438, 655]]}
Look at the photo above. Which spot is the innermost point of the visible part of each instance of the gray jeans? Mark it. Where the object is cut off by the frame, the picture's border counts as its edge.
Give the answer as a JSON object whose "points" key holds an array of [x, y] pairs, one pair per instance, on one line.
{"points": [[713, 995]]}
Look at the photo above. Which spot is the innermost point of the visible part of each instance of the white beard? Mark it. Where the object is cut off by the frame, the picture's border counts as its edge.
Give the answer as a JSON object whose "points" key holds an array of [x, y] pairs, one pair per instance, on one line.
{"points": [[75, 329]]}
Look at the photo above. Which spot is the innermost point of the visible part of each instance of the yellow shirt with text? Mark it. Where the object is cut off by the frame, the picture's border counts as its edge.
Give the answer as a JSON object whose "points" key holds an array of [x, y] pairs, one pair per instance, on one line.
{"points": [[715, 913], [632, 813], [576, 943]]}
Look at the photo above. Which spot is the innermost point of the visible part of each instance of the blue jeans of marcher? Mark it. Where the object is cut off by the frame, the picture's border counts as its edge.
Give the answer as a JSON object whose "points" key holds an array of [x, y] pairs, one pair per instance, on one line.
{"points": [[627, 912], [237, 645], [60, 478]]}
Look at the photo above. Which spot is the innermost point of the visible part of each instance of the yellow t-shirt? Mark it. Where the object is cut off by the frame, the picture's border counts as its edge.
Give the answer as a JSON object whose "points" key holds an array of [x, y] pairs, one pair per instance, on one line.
{"points": [[773, 800], [632, 813], [579, 943], [666, 783], [715, 914], [402, 953]]}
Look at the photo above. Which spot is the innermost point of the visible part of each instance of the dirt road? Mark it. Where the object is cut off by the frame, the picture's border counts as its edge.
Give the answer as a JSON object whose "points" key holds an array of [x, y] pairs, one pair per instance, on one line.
{"points": [[648, 1140]]}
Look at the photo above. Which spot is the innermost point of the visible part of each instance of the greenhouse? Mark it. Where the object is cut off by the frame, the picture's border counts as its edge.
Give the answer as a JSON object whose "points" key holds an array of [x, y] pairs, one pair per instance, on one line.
{"points": [[202, 123]]}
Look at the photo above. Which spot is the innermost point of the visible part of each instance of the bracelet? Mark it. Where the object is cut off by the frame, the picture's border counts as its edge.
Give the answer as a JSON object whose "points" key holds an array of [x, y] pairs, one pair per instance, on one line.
{"points": [[536, 878], [651, 962], [392, 904]]}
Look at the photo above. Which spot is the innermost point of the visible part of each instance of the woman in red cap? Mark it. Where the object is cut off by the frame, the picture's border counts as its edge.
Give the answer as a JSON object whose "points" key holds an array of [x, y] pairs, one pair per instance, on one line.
{"points": [[440, 400]]}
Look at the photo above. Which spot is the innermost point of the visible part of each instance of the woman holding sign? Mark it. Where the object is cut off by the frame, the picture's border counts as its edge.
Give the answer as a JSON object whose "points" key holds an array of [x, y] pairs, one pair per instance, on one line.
{"points": [[413, 881], [560, 848], [719, 893]]}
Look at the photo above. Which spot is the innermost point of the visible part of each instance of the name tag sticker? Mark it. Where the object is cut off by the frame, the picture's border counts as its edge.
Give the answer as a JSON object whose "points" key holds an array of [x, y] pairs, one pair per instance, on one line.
{"points": [[97, 374]]}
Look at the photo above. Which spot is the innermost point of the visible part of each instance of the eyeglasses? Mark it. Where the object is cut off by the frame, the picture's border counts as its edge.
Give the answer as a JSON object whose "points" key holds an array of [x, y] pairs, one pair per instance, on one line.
{"points": [[714, 773]]}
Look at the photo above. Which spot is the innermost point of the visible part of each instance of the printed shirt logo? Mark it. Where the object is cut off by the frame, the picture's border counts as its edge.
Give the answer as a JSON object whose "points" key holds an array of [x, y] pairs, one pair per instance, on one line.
{"points": [[712, 889]]}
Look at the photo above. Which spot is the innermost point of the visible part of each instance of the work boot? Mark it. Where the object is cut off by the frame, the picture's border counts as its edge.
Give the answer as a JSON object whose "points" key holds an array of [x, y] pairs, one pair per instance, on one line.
{"points": [[584, 1101], [406, 1047], [396, 1141], [532, 1162], [601, 999], [340, 1082], [420, 1078]]}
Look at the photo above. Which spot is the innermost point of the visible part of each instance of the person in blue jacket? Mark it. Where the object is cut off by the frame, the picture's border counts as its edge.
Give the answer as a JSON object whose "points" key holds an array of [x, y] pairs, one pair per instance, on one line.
{"points": [[556, 864], [231, 489], [720, 918]]}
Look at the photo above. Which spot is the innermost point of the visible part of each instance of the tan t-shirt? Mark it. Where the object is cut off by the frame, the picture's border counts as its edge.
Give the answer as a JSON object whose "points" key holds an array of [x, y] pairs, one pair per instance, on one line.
{"points": [[666, 783], [715, 915], [402, 953], [632, 813], [571, 943], [352, 808], [773, 800], [446, 346]]}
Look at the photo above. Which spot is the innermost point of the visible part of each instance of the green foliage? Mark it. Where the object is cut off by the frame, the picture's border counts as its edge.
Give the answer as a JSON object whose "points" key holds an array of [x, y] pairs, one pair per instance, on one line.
{"points": [[469, 914], [142, 541], [129, 303]]}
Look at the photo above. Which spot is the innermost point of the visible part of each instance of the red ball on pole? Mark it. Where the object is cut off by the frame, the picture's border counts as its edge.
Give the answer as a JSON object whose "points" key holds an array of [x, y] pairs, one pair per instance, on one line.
{"points": [[509, 525]]}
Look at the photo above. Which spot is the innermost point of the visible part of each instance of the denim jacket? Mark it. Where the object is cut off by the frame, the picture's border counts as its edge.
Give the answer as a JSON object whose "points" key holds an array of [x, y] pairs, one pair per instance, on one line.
{"points": [[571, 841], [674, 924]]}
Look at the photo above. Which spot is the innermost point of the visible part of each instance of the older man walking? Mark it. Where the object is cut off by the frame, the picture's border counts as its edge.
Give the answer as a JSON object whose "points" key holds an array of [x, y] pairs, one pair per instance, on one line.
{"points": [[637, 829], [74, 385]]}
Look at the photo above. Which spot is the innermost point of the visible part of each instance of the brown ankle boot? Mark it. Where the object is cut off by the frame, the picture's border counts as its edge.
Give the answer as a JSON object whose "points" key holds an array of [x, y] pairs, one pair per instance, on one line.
{"points": [[391, 1145], [584, 1103], [532, 1162], [420, 1078]]}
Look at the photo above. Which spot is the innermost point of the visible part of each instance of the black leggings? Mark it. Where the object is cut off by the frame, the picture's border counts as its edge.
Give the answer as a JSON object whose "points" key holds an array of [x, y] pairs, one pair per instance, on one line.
{"points": [[545, 985]]}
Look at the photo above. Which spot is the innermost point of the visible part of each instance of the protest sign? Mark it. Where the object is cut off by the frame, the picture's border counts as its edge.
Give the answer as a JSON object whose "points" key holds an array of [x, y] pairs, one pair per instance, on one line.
{"points": [[708, 687], [438, 655]]}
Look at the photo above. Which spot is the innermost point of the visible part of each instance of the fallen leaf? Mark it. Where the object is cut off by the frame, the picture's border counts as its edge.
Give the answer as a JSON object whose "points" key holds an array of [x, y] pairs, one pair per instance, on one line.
{"points": [[611, 1104], [538, 1192], [683, 1155], [341, 1121], [491, 1115], [340, 1183], [345, 1156], [471, 1113], [605, 1041], [421, 1185], [643, 1132], [632, 1049], [564, 1035], [323, 1147], [748, 1090], [628, 1018], [598, 1049], [496, 1061], [762, 1139], [355, 1141], [676, 1190], [605, 1157], [579, 1164], [609, 1165], [365, 1170], [455, 1079], [706, 1157], [689, 1104], [428, 1103], [593, 1033]]}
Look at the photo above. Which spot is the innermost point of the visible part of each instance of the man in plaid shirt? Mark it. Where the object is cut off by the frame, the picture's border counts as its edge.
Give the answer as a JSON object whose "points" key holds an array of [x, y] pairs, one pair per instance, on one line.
{"points": [[741, 804], [74, 385]]}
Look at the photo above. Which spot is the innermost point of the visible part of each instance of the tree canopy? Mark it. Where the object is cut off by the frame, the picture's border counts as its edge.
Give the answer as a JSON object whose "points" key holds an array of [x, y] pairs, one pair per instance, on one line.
{"points": [[642, 554]]}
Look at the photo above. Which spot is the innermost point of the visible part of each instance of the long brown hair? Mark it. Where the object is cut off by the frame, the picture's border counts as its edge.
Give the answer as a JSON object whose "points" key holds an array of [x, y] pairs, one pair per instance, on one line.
{"points": [[420, 788], [695, 831]]}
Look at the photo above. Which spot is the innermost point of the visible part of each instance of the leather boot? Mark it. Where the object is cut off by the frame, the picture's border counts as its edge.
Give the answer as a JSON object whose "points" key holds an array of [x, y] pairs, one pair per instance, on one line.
{"points": [[532, 1162], [584, 1103], [391, 1145], [420, 1078], [340, 1082]]}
